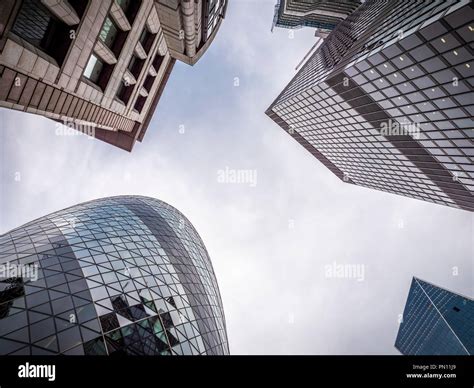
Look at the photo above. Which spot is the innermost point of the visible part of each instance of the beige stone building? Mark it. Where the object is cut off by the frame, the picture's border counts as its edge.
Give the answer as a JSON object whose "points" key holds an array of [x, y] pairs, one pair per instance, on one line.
{"points": [[99, 66]]}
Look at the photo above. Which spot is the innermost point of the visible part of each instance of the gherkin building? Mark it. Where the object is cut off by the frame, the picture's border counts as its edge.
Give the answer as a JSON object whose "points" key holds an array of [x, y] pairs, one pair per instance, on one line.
{"points": [[120, 275]]}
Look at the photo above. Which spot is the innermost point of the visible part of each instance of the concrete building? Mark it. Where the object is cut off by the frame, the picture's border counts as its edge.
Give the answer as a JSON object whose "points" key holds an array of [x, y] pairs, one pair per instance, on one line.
{"points": [[386, 101], [323, 15], [99, 66]]}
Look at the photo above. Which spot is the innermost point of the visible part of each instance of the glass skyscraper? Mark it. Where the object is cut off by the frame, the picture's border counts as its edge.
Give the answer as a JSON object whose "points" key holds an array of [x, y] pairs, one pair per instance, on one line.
{"points": [[324, 15], [436, 322], [126, 275], [386, 100]]}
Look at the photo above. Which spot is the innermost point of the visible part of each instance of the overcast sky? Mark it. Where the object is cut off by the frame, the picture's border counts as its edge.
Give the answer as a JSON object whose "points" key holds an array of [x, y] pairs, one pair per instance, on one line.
{"points": [[270, 243]]}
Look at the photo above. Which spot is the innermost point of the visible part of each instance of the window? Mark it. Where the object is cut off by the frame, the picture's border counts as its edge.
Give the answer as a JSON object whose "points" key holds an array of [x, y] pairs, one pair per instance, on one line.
{"points": [[149, 80], [98, 72], [93, 69], [135, 66], [35, 24], [146, 39], [130, 8], [139, 103], [79, 6], [215, 8], [157, 61], [112, 36], [124, 4], [108, 32], [124, 92]]}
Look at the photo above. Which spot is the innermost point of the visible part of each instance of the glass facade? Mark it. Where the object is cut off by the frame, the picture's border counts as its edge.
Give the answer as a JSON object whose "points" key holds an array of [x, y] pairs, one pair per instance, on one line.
{"points": [[120, 275], [436, 322], [317, 14], [215, 10], [386, 101]]}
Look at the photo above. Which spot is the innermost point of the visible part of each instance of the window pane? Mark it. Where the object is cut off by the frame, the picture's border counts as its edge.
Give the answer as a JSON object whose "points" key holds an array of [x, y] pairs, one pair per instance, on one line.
{"points": [[108, 32], [93, 68]]}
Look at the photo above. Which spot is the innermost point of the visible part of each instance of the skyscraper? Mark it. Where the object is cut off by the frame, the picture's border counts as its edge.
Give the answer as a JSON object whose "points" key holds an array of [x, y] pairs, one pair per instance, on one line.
{"points": [[323, 15], [436, 322], [99, 66], [386, 101], [127, 275]]}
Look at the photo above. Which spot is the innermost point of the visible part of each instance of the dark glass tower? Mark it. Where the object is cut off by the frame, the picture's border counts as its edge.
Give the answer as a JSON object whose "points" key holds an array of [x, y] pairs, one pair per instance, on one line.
{"points": [[386, 101], [436, 322], [125, 275]]}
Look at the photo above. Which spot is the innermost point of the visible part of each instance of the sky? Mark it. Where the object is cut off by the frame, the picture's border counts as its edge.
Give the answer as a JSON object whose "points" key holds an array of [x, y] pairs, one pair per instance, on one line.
{"points": [[275, 236]]}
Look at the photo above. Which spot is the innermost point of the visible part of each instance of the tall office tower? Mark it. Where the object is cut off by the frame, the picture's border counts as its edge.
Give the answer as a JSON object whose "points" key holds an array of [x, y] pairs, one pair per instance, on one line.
{"points": [[120, 275], [436, 322], [321, 14], [99, 66], [386, 101]]}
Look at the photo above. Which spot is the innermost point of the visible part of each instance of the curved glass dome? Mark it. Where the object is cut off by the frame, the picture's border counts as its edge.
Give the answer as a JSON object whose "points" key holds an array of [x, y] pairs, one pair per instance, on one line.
{"points": [[124, 274]]}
